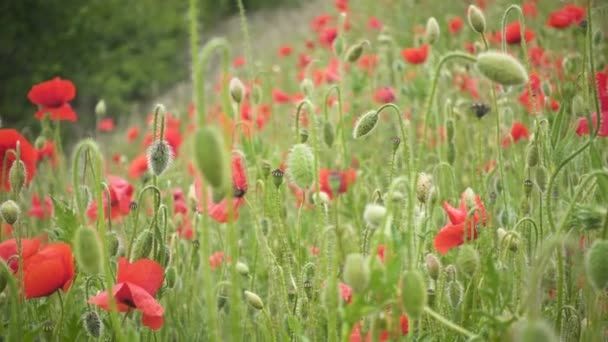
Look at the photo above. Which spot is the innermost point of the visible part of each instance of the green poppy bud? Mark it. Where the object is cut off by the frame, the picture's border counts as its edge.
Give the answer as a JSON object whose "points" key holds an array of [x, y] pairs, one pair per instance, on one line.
{"points": [[92, 324], [433, 266], [328, 133], [432, 30], [468, 260], [100, 108], [10, 211], [357, 272], [374, 214], [254, 300], [211, 157], [159, 156], [236, 90], [143, 245], [365, 124], [413, 294], [501, 68], [87, 250], [476, 19], [532, 154], [17, 175], [300, 168], [596, 266], [454, 293]]}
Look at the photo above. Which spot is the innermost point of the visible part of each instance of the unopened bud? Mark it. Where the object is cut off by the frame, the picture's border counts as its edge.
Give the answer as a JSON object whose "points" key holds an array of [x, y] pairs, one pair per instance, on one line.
{"points": [[143, 245], [450, 129], [171, 277], [87, 250], [10, 212], [509, 239], [17, 175], [92, 324], [100, 109], [476, 19], [432, 30], [468, 260], [596, 266], [413, 294], [354, 52], [541, 177], [357, 272], [265, 168], [374, 214], [328, 133], [242, 268], [211, 157], [365, 124], [470, 198], [236, 89], [396, 141], [254, 300], [532, 154], [300, 168], [159, 156], [113, 243], [423, 187], [433, 266], [501, 68], [454, 292]]}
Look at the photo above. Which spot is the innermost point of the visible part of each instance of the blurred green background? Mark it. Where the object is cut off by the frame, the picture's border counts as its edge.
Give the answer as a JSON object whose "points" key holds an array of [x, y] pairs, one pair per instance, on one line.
{"points": [[121, 51]]}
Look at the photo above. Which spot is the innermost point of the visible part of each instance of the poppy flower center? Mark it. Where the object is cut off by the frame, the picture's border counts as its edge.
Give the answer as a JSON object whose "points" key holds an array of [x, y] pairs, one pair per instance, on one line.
{"points": [[238, 193]]}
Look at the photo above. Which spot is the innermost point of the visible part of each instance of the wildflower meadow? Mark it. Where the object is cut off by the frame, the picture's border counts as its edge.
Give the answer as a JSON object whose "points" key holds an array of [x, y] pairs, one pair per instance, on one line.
{"points": [[405, 171]]}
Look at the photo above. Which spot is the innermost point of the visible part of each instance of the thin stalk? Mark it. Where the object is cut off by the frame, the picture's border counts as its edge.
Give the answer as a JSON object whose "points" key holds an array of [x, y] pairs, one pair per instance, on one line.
{"points": [[457, 328]]}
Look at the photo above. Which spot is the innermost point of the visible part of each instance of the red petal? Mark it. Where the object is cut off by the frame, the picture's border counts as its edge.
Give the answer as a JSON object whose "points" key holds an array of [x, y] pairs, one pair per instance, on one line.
{"points": [[456, 215], [145, 273], [448, 237], [103, 300]]}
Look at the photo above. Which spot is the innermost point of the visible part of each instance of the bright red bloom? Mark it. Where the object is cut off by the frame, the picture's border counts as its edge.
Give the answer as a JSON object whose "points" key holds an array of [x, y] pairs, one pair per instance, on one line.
{"points": [[453, 234], [385, 95], [238, 62], [319, 22], [136, 285], [416, 55], [52, 97], [280, 96], [285, 50], [374, 23], [8, 141], [40, 211], [519, 131], [132, 133], [121, 194], [455, 24], [49, 270], [48, 151], [345, 179], [566, 16], [601, 79], [513, 33], [8, 250], [328, 35], [342, 5], [106, 125], [529, 9], [138, 166]]}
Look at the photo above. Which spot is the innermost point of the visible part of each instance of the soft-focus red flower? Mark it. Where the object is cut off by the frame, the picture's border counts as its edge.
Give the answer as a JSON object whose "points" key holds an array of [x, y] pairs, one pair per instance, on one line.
{"points": [[529, 9], [538, 58], [601, 78], [185, 230], [467, 84], [368, 63], [285, 50], [319, 22], [39, 210], [136, 285], [455, 24], [355, 334], [416, 55], [238, 62], [374, 23], [346, 293], [8, 250], [179, 202], [538, 98], [216, 259], [566, 16], [8, 141], [132, 133], [52, 97], [106, 125], [280, 96], [513, 33], [121, 194], [138, 166], [304, 60], [345, 179], [519, 131], [384, 95], [49, 152], [327, 36], [454, 233], [342, 5], [48, 270]]}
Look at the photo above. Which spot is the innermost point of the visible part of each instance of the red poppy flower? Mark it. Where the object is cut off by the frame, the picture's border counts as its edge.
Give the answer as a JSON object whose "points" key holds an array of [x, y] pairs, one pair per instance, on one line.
{"points": [[106, 125], [216, 259], [8, 250], [328, 35], [185, 229], [345, 179], [455, 24], [355, 334], [238, 62], [138, 166], [219, 211], [285, 50], [345, 292], [8, 141], [179, 202], [132, 133], [49, 152], [280, 96], [49, 270], [601, 79], [137, 283], [40, 211], [519, 131], [513, 33], [538, 98], [304, 60], [566, 16], [52, 97], [529, 9], [368, 63], [385, 95], [453, 234], [467, 84], [374, 23], [416, 55], [121, 194], [342, 5]]}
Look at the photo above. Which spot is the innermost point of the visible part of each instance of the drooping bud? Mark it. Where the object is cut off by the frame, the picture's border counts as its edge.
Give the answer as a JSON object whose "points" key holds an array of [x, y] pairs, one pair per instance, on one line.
{"points": [[501, 68], [338, 45], [100, 108], [254, 300], [509, 239], [476, 19], [432, 30], [236, 89], [277, 177], [357, 272], [596, 266], [87, 250], [424, 186], [159, 156], [413, 294], [374, 214], [300, 168], [541, 177], [454, 293], [365, 124], [532, 154], [433, 266], [328, 133], [211, 157], [242, 268], [113, 243], [10, 211], [469, 198], [17, 175], [534, 330], [354, 52], [143, 245], [171, 277], [468, 260], [92, 324]]}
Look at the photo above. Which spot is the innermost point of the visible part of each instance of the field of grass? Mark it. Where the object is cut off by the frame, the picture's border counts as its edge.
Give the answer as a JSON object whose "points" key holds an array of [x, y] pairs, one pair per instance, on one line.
{"points": [[358, 171]]}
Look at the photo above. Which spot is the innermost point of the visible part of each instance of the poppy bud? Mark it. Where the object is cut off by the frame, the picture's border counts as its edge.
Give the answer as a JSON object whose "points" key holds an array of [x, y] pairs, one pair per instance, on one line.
{"points": [[171, 277], [265, 168], [469, 198], [92, 324], [354, 52], [164, 255], [277, 177], [450, 272], [451, 153], [468, 260], [87, 250], [450, 129], [328, 134], [501, 68], [374, 214], [433, 266], [454, 292], [365, 124], [338, 45], [476, 19], [236, 89], [432, 30], [510, 239], [357, 272], [211, 157], [160, 156], [300, 165], [396, 141], [254, 300], [242, 268], [113, 243], [4, 274], [541, 177], [423, 187], [307, 87], [143, 245], [532, 155], [40, 142], [100, 108], [528, 187], [413, 293], [17, 175], [303, 136], [533, 330], [596, 266], [10, 212]]}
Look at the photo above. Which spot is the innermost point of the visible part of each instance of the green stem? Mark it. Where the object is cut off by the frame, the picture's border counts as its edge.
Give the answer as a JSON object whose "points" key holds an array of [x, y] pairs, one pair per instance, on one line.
{"points": [[208, 49], [339, 128], [448, 323]]}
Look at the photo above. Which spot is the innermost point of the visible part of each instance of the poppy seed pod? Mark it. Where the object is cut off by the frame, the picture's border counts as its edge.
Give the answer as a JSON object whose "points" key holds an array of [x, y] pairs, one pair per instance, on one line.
{"points": [[432, 30], [365, 124], [277, 177], [533, 330], [254, 300], [356, 272], [92, 324], [10, 212], [87, 250], [501, 68], [17, 176], [143, 245], [596, 266], [413, 293], [236, 89], [211, 157], [476, 19], [100, 108], [468, 260], [300, 165], [159, 156], [374, 214]]}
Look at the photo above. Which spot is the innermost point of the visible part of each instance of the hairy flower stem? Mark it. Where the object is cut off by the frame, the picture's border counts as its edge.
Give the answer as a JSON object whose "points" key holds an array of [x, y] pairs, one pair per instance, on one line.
{"points": [[213, 44], [457, 328], [339, 130]]}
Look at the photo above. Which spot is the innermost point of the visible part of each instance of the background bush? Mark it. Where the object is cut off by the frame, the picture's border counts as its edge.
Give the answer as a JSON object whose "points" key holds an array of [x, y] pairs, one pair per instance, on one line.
{"points": [[121, 51]]}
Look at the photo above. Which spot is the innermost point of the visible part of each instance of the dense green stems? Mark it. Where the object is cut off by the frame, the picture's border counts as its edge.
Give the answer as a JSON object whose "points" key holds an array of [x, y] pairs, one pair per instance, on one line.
{"points": [[339, 131], [197, 83], [147, 188], [589, 41], [213, 44], [247, 41], [448, 323], [501, 173], [407, 152]]}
